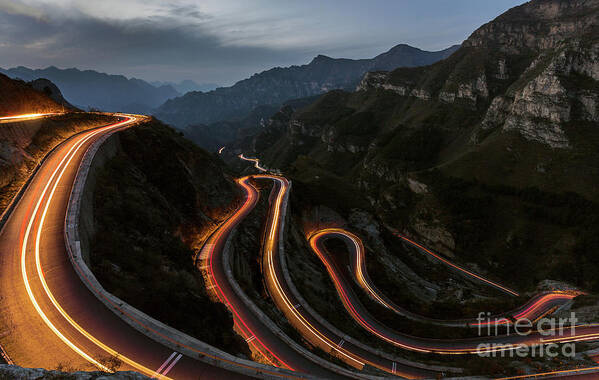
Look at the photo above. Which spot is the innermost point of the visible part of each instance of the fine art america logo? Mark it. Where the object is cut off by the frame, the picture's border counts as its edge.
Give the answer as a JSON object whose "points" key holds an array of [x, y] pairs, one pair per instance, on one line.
{"points": [[546, 337]]}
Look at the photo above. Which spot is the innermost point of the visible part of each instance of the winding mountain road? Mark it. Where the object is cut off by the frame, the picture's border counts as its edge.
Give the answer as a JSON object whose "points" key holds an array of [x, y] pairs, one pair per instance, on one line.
{"points": [[360, 314], [535, 308], [328, 340], [303, 320], [260, 338], [49, 318]]}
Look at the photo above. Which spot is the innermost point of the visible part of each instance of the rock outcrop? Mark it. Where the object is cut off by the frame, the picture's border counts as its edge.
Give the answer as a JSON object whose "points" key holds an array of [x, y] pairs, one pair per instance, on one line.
{"points": [[507, 122], [536, 65]]}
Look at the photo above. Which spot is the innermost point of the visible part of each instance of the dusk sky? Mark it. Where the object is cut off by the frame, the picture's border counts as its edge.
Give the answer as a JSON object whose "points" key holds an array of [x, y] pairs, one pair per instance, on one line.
{"points": [[223, 41]]}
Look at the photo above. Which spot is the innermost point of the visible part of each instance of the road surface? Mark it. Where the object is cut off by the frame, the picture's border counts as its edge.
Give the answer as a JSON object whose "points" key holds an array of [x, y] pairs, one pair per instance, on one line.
{"points": [[359, 313], [299, 317], [319, 335], [255, 332], [49, 318], [535, 308]]}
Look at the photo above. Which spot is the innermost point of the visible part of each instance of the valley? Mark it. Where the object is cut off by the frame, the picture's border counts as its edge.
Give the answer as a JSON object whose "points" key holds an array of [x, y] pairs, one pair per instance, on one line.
{"points": [[423, 214]]}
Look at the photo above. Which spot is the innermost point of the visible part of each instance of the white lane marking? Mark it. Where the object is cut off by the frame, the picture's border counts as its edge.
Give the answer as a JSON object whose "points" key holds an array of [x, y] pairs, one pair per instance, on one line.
{"points": [[166, 362], [341, 343], [394, 367], [297, 306], [167, 370]]}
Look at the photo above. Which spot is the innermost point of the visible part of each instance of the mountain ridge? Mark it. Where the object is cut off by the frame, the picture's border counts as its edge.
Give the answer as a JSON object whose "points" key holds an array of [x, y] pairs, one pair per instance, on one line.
{"points": [[19, 97], [487, 154], [111, 92], [186, 86], [277, 85]]}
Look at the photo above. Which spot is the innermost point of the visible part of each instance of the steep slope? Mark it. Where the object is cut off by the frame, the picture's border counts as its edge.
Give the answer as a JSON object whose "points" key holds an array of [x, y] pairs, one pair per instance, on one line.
{"points": [[275, 86], [91, 89], [18, 97], [490, 154], [157, 201], [24, 143], [232, 133], [50, 89]]}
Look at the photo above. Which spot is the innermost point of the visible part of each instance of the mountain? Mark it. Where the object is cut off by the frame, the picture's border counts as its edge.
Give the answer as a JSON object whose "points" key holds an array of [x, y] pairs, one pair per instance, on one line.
{"points": [[91, 89], [489, 155], [275, 86], [18, 97], [187, 85], [24, 143], [218, 134], [50, 89], [176, 193]]}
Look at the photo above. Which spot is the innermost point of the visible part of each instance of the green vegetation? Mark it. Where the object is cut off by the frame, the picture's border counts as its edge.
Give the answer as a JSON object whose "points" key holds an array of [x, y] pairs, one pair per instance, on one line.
{"points": [[553, 235], [147, 212], [417, 149]]}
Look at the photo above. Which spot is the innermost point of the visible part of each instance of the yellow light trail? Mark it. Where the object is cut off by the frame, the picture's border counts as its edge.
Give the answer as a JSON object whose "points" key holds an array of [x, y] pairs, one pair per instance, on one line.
{"points": [[62, 166], [275, 280], [27, 116]]}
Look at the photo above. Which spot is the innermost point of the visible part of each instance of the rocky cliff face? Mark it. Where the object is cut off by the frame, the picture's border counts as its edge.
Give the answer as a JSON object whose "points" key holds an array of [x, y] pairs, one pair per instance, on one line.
{"points": [[536, 65], [563, 88], [275, 86], [508, 122]]}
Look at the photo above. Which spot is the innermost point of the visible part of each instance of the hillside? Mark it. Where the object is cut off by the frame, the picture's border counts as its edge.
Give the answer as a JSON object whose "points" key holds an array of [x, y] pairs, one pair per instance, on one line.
{"points": [[175, 194], [52, 91], [277, 85], [18, 97], [91, 89], [490, 154], [23, 144], [233, 133]]}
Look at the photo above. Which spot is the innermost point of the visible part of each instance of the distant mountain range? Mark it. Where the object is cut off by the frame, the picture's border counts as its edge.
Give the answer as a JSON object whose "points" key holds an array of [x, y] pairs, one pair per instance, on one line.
{"points": [[278, 85], [187, 85], [91, 89]]}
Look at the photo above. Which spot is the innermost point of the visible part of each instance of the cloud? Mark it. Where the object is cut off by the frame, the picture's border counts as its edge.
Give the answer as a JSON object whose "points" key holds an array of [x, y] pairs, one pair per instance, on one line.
{"points": [[154, 47], [222, 41], [15, 7]]}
